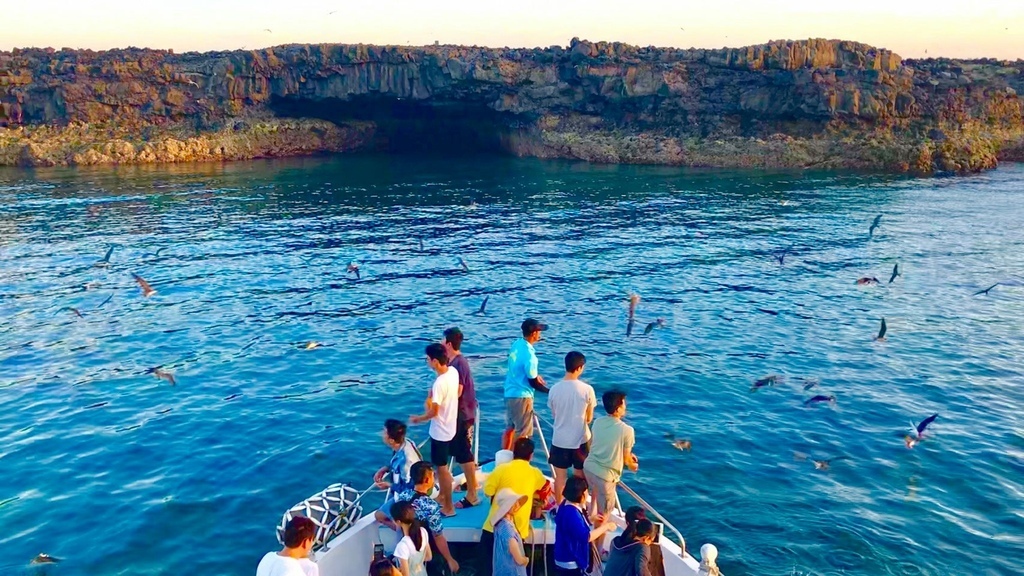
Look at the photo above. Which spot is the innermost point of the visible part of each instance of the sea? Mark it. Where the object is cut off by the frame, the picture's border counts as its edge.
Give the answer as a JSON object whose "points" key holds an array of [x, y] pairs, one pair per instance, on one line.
{"points": [[116, 471]]}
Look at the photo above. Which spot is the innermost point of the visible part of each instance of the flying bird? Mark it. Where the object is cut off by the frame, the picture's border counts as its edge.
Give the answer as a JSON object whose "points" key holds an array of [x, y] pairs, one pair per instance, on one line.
{"points": [[463, 264], [44, 559], [312, 345], [819, 464], [147, 290], [824, 464], [771, 380], [781, 255], [875, 224], [75, 310], [986, 290], [268, 30], [881, 331], [681, 444], [659, 323], [159, 372], [895, 272], [105, 301], [917, 432], [810, 383], [634, 299], [483, 305], [353, 267], [106, 259], [867, 281], [820, 398]]}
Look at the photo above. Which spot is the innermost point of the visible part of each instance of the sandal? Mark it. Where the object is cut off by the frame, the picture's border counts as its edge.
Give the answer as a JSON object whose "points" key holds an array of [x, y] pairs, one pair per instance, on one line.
{"points": [[465, 503]]}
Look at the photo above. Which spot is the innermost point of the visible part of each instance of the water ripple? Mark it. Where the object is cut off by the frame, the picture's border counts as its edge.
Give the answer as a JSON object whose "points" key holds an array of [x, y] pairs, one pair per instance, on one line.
{"points": [[249, 261]]}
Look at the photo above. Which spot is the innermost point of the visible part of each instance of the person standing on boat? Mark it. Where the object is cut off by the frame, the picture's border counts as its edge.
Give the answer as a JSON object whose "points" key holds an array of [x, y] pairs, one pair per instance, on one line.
{"points": [[572, 403], [573, 533], [509, 556], [428, 511], [521, 382], [611, 450], [396, 476], [413, 550], [293, 560], [442, 413], [462, 444]]}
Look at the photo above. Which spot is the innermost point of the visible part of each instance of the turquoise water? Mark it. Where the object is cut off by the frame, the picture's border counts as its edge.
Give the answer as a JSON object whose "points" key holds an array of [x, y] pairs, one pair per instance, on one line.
{"points": [[117, 472]]}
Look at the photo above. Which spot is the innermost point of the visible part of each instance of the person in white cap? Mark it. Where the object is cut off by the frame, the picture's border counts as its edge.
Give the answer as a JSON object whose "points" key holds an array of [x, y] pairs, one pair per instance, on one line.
{"points": [[509, 556]]}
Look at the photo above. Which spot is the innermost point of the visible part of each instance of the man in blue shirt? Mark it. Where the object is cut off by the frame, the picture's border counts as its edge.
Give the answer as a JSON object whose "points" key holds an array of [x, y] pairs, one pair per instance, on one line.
{"points": [[521, 380]]}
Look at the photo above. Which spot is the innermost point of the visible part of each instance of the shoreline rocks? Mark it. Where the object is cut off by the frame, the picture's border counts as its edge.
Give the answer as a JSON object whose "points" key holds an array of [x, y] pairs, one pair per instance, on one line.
{"points": [[785, 104], [89, 145]]}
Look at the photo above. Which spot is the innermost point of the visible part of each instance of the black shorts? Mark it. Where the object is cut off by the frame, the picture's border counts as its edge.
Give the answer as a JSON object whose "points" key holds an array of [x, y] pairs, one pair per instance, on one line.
{"points": [[462, 443], [440, 452], [565, 458]]}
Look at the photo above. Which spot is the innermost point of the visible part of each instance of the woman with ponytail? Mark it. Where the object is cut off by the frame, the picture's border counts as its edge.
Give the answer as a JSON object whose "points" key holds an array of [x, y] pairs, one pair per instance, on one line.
{"points": [[413, 550], [631, 551], [633, 515]]}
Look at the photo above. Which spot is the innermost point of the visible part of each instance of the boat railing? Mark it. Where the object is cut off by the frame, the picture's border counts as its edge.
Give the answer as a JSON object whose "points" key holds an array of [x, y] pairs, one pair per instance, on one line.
{"points": [[643, 503]]}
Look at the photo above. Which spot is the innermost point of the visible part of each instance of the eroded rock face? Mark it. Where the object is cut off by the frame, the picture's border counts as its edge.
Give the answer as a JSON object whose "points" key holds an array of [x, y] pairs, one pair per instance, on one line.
{"points": [[836, 103]]}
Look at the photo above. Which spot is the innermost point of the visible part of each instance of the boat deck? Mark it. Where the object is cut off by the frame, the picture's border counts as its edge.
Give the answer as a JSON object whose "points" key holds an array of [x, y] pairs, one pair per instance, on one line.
{"points": [[350, 553], [467, 523]]}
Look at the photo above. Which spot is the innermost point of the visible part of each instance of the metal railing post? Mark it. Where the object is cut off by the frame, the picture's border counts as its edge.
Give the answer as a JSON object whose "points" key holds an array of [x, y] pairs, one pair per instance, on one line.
{"points": [[649, 508], [476, 437], [543, 443]]}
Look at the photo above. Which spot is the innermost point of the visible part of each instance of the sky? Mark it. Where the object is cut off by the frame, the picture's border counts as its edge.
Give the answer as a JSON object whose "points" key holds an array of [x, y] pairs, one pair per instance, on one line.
{"points": [[911, 28]]}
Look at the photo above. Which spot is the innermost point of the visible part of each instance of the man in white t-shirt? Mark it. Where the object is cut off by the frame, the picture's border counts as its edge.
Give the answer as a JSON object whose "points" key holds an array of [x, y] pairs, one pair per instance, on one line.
{"points": [[443, 413], [293, 560], [572, 403]]}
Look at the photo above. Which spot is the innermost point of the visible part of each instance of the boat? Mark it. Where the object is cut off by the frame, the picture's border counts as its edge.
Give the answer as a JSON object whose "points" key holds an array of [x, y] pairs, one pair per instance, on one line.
{"points": [[351, 552]]}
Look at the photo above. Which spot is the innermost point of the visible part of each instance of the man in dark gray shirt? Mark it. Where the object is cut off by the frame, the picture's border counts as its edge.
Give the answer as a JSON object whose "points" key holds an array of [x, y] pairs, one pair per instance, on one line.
{"points": [[462, 444]]}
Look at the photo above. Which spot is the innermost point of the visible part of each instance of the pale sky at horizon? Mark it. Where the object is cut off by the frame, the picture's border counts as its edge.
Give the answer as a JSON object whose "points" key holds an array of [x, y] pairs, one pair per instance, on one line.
{"points": [[982, 28]]}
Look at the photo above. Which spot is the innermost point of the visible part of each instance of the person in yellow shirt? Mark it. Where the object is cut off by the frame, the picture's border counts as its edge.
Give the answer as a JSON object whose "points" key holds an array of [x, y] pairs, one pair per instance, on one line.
{"points": [[518, 476]]}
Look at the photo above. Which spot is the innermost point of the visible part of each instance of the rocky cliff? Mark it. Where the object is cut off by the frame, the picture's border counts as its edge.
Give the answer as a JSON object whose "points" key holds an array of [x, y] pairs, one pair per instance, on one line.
{"points": [[814, 103]]}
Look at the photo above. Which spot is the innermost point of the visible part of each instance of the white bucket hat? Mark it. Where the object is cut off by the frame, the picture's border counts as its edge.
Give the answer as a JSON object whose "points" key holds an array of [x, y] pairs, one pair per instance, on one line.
{"points": [[505, 500]]}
